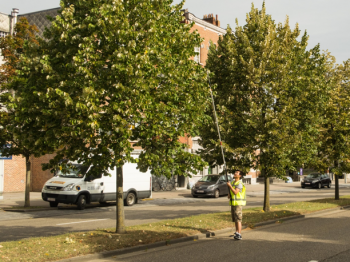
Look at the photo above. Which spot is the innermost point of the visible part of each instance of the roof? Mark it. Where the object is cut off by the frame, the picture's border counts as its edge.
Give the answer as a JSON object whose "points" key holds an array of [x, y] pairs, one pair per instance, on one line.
{"points": [[40, 18], [4, 23], [191, 17]]}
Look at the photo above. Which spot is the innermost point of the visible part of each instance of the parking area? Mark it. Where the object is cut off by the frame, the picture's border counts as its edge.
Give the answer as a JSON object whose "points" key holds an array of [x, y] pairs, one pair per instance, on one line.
{"points": [[17, 199]]}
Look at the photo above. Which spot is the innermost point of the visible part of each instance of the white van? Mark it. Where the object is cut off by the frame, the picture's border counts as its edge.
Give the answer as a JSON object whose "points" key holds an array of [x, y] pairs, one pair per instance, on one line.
{"points": [[78, 189]]}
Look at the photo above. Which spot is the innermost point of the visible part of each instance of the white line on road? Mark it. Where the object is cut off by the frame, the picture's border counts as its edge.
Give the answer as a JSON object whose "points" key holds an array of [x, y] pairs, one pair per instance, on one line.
{"points": [[80, 222]]}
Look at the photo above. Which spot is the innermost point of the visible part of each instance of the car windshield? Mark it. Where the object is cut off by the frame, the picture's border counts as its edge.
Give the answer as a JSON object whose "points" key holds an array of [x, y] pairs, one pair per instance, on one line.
{"points": [[77, 171], [313, 176], [209, 179]]}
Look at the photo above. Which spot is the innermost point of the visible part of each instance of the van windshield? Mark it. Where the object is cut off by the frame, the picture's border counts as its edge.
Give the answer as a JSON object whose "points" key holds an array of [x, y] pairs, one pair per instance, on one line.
{"points": [[78, 171]]}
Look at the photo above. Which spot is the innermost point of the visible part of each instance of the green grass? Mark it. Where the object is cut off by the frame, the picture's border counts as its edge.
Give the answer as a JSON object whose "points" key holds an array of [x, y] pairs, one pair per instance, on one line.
{"points": [[82, 243]]}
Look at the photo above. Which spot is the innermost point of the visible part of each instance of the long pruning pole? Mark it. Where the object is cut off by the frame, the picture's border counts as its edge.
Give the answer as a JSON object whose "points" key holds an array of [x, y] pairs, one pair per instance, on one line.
{"points": [[218, 129]]}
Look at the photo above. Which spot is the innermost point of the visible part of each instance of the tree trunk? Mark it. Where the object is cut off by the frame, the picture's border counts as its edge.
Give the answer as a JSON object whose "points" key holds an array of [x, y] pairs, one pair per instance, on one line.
{"points": [[120, 202], [27, 189], [336, 182], [266, 191], [336, 187]]}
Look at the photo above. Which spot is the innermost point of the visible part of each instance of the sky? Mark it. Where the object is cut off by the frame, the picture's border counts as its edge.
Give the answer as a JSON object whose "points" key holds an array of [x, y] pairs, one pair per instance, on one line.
{"points": [[327, 21]]}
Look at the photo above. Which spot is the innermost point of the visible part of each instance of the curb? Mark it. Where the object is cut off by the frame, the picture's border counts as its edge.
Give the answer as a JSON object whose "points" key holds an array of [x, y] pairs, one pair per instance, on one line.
{"points": [[277, 220], [130, 249], [344, 207]]}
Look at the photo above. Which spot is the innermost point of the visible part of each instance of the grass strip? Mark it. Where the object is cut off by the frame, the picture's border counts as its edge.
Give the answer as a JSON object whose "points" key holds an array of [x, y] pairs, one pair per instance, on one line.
{"points": [[82, 243]]}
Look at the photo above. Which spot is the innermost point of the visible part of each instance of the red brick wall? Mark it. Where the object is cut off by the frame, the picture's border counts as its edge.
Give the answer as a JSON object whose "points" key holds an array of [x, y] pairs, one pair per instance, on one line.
{"points": [[14, 174], [208, 35], [254, 174], [186, 140], [39, 177]]}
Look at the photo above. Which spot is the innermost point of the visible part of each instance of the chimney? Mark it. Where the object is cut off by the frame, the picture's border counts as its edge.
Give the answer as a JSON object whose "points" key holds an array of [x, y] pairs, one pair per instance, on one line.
{"points": [[211, 19], [14, 14]]}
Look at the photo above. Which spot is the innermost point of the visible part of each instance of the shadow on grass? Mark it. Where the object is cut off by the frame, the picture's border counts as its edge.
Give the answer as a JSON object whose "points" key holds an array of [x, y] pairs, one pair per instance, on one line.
{"points": [[69, 245]]}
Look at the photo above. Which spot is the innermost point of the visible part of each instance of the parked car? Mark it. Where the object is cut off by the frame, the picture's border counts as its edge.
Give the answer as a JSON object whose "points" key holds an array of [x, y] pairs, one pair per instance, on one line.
{"points": [[211, 185], [316, 180]]}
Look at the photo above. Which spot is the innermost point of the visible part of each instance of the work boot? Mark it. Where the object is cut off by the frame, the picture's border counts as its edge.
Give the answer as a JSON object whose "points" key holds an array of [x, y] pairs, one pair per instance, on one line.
{"points": [[237, 236]]}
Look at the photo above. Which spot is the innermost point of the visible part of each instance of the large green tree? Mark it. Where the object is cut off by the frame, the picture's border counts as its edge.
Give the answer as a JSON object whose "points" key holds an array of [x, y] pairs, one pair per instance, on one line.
{"points": [[11, 130], [269, 89], [111, 72], [334, 149]]}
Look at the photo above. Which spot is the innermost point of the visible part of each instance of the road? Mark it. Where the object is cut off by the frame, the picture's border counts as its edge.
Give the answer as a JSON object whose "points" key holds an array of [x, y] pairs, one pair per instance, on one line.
{"points": [[321, 237], [14, 226]]}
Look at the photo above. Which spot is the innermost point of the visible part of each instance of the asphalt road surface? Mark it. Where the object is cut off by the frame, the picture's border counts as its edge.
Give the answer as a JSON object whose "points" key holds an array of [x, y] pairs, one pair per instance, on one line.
{"points": [[321, 237], [14, 226]]}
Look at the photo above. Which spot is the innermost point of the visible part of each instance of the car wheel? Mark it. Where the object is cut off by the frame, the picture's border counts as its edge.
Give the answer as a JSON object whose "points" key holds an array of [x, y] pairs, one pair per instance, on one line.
{"points": [[216, 193], [130, 199], [329, 185], [302, 186], [53, 204], [81, 202], [319, 185], [103, 203], [194, 196]]}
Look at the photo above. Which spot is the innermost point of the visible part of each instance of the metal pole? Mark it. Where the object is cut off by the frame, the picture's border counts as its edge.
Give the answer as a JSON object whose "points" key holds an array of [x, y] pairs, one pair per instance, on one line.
{"points": [[218, 129]]}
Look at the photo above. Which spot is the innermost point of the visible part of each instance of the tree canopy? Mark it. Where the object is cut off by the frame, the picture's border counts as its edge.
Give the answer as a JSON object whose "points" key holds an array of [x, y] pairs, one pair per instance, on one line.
{"points": [[11, 127], [334, 148], [269, 91], [112, 75]]}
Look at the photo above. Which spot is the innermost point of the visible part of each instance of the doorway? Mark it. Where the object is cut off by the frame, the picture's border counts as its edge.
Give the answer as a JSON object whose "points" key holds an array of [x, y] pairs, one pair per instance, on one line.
{"points": [[181, 181]]}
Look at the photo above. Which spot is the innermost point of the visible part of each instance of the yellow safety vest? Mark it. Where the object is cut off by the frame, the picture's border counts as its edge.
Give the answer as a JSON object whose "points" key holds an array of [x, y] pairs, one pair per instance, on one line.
{"points": [[239, 199]]}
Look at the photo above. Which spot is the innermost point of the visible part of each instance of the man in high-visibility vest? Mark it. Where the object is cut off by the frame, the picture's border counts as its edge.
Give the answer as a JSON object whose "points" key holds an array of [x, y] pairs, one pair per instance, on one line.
{"points": [[237, 201]]}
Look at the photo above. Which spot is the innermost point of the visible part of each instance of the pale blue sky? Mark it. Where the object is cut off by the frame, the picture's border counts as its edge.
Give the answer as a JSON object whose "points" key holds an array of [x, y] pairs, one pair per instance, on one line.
{"points": [[327, 21]]}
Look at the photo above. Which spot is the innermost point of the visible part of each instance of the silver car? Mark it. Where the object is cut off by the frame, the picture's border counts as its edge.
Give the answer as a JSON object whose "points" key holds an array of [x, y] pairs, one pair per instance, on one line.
{"points": [[211, 185]]}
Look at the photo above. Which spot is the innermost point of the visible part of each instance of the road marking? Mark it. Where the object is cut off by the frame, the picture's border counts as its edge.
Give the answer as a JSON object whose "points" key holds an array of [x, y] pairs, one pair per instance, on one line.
{"points": [[80, 222]]}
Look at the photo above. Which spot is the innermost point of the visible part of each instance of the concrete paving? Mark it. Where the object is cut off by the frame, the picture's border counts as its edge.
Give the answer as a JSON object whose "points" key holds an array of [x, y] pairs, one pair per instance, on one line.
{"points": [[320, 237]]}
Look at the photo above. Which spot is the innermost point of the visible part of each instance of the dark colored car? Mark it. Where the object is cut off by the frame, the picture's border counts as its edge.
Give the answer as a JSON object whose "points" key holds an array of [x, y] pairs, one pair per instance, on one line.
{"points": [[211, 185], [316, 180]]}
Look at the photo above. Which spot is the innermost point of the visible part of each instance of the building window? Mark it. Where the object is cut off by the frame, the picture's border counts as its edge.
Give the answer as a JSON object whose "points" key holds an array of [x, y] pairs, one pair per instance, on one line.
{"points": [[197, 57], [3, 34]]}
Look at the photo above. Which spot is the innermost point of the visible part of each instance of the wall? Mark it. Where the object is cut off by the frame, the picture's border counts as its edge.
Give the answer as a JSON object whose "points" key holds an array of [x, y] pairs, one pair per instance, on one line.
{"points": [[39, 177], [208, 35], [14, 174]]}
